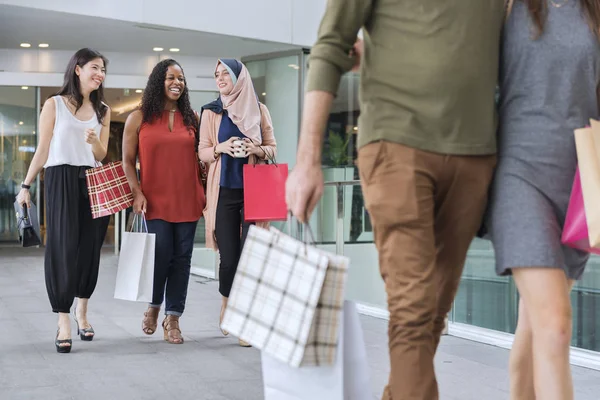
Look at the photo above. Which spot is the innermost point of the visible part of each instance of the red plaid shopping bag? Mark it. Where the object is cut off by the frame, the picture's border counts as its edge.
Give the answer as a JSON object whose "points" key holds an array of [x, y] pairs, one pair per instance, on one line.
{"points": [[108, 189]]}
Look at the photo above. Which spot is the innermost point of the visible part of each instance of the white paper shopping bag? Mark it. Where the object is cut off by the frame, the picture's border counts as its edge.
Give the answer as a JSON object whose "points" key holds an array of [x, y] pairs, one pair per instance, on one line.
{"points": [[347, 379], [135, 274]]}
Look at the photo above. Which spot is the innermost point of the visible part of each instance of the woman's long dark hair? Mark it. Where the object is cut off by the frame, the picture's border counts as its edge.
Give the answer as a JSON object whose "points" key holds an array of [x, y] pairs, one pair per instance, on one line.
{"points": [[538, 10], [154, 97], [71, 87]]}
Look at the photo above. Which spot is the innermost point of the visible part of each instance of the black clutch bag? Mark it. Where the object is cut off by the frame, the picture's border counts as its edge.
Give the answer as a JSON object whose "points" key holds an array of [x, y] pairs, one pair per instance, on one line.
{"points": [[29, 227]]}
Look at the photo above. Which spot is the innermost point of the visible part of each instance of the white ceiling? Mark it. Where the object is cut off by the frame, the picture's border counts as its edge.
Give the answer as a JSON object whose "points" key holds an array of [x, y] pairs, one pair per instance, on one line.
{"points": [[71, 32]]}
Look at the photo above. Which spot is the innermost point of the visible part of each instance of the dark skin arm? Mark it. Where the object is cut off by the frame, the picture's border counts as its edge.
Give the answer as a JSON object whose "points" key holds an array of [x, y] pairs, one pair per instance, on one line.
{"points": [[130, 153]]}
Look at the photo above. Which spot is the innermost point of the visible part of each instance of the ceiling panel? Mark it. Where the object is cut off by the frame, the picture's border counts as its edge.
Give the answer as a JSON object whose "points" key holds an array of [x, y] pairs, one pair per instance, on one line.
{"points": [[70, 32]]}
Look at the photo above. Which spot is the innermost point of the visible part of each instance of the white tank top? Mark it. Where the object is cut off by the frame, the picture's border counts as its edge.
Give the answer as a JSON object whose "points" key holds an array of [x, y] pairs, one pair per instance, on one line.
{"points": [[68, 144]]}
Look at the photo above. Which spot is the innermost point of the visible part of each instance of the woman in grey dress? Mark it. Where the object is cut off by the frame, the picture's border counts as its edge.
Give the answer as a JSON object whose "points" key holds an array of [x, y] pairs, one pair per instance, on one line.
{"points": [[550, 74]]}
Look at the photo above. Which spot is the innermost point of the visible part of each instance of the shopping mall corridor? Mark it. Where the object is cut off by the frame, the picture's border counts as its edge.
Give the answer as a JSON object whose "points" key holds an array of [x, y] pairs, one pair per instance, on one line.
{"points": [[124, 364]]}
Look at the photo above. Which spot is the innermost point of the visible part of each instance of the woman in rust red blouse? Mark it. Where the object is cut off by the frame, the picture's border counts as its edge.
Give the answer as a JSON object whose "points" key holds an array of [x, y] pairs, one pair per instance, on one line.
{"points": [[162, 133]]}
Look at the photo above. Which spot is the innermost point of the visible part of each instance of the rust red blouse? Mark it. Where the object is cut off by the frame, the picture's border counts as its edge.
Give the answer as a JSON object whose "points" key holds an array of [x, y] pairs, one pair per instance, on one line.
{"points": [[169, 171]]}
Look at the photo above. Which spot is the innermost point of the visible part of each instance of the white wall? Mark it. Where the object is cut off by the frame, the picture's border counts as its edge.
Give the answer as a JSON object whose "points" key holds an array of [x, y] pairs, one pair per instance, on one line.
{"points": [[284, 21], [306, 17]]}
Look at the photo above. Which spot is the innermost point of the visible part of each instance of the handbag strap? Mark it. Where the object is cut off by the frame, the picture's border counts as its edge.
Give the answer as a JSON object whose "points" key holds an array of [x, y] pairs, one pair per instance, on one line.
{"points": [[23, 221]]}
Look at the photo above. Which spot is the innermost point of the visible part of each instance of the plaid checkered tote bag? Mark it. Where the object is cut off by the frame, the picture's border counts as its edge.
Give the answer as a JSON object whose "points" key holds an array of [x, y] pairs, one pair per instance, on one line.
{"points": [[287, 298], [108, 189]]}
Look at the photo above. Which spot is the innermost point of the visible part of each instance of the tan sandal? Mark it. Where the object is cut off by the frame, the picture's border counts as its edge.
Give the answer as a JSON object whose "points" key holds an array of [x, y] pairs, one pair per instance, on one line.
{"points": [[171, 330], [243, 343], [150, 322]]}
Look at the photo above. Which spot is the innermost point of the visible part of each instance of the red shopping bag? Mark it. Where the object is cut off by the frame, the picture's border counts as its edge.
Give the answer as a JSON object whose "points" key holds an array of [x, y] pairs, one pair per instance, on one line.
{"points": [[264, 192], [108, 189]]}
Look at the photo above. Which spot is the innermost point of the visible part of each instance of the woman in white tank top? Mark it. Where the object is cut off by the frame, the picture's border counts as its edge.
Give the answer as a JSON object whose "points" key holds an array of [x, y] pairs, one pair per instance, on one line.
{"points": [[73, 136]]}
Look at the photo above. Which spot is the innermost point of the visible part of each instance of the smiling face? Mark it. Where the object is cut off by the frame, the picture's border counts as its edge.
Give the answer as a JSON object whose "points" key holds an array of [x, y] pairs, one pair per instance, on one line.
{"points": [[223, 79], [91, 75], [174, 82]]}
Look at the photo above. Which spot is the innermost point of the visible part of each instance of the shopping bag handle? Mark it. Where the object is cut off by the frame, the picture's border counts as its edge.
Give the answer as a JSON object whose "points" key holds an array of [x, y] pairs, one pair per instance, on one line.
{"points": [[307, 234], [139, 222], [270, 157]]}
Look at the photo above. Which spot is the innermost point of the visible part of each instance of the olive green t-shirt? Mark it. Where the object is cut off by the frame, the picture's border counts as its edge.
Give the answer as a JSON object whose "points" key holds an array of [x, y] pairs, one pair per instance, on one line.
{"points": [[428, 73]]}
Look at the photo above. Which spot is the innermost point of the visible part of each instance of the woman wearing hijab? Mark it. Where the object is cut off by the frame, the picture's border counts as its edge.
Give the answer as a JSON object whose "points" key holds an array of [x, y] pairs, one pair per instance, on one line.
{"points": [[235, 130]]}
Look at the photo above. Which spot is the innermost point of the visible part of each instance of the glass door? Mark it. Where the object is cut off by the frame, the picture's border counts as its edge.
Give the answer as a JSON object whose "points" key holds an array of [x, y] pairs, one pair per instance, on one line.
{"points": [[18, 124]]}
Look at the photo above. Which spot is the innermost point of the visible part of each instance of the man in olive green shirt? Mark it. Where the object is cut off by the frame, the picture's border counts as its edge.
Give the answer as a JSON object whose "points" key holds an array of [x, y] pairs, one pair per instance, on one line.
{"points": [[426, 153]]}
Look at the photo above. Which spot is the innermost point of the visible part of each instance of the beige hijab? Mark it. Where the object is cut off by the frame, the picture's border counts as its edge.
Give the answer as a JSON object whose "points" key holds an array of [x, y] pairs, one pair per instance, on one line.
{"points": [[242, 103]]}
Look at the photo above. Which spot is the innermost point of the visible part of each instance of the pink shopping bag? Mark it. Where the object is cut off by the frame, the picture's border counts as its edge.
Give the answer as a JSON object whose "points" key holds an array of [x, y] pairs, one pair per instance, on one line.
{"points": [[575, 231]]}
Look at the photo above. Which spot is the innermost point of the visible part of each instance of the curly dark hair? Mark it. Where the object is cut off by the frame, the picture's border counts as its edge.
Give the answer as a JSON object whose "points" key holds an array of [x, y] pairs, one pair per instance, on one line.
{"points": [[154, 97]]}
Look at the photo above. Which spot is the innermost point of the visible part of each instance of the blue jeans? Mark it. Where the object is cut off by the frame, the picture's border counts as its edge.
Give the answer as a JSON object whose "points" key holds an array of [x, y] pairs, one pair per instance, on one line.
{"points": [[173, 258]]}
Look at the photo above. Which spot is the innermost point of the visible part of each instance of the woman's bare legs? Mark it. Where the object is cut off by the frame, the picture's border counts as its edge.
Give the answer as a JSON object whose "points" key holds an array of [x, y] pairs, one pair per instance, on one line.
{"points": [[64, 327], [520, 363], [81, 315], [546, 302]]}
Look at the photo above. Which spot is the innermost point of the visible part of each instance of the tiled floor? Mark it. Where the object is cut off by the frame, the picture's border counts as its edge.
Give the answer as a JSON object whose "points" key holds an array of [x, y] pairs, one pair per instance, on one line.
{"points": [[124, 364]]}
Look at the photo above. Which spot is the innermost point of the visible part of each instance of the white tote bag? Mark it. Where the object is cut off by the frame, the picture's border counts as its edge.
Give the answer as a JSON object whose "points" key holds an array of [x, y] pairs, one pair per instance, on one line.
{"points": [[135, 274], [347, 379]]}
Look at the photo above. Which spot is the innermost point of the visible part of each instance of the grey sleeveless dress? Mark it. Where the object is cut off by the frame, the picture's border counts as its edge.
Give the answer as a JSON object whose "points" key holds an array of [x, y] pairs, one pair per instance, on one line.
{"points": [[547, 89]]}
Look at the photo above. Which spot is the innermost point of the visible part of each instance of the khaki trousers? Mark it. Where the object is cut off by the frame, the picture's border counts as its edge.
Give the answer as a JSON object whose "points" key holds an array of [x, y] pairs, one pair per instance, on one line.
{"points": [[425, 209]]}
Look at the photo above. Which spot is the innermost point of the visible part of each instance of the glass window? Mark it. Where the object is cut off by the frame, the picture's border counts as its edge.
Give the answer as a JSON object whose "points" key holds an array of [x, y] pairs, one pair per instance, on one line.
{"points": [[18, 141], [339, 149], [489, 301], [485, 299], [199, 99], [339, 164], [277, 84], [585, 299]]}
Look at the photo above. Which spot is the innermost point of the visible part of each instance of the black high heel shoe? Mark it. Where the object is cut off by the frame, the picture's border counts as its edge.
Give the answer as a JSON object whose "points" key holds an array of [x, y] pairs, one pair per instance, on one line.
{"points": [[83, 333], [57, 343]]}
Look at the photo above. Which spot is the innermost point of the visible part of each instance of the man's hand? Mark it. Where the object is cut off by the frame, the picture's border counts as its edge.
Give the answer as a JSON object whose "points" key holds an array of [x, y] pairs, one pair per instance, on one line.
{"points": [[303, 189]]}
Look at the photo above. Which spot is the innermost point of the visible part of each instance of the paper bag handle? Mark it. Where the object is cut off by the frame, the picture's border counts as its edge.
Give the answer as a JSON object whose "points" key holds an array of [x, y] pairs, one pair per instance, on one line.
{"points": [[307, 234], [139, 223]]}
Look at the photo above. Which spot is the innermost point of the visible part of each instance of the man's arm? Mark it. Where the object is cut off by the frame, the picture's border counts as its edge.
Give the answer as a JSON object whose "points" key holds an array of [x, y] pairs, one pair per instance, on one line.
{"points": [[333, 55]]}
